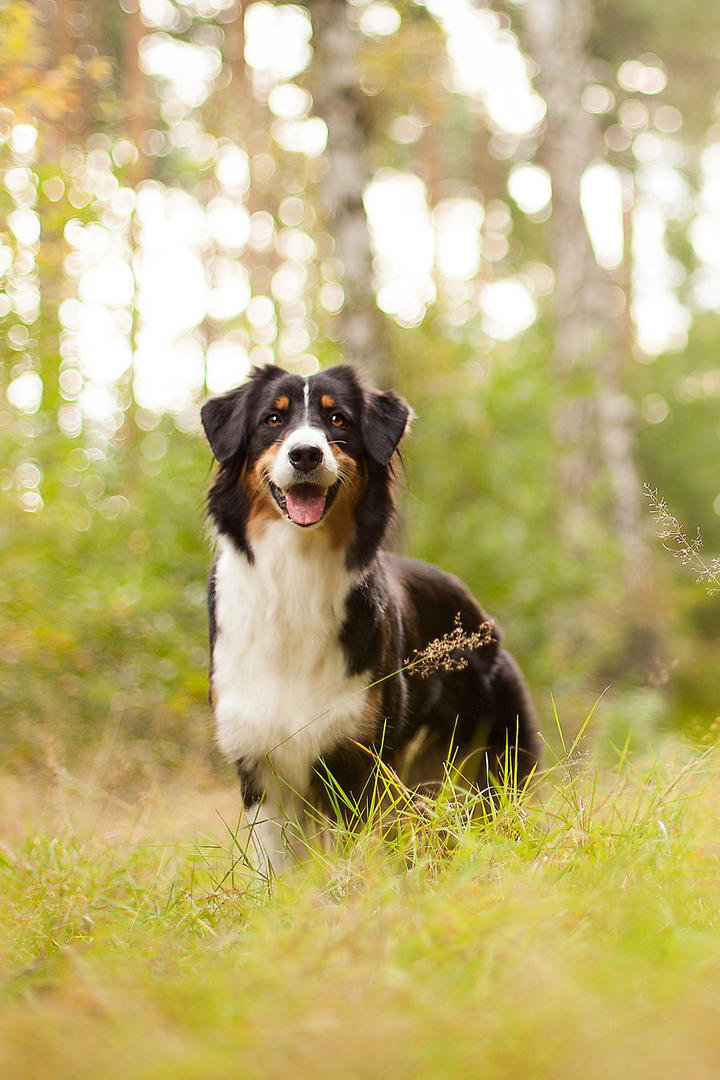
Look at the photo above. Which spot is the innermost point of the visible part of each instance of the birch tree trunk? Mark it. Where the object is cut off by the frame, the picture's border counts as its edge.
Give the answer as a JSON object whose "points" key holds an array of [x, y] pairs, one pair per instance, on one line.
{"points": [[340, 101], [593, 423], [137, 100], [64, 42]]}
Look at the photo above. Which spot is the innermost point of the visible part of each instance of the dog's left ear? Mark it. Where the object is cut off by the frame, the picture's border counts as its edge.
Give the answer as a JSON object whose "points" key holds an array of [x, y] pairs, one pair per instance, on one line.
{"points": [[386, 417], [225, 420]]}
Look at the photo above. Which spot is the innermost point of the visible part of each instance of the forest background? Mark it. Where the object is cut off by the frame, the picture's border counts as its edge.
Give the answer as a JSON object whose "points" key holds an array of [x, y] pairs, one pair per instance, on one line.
{"points": [[508, 211]]}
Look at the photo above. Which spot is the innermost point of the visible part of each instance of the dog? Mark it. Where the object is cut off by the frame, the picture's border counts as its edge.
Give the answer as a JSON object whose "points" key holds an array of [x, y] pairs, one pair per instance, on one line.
{"points": [[320, 641]]}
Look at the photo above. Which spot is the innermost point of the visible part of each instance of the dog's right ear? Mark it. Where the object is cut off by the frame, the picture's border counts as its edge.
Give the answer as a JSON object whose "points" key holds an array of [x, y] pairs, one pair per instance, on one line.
{"points": [[225, 420]]}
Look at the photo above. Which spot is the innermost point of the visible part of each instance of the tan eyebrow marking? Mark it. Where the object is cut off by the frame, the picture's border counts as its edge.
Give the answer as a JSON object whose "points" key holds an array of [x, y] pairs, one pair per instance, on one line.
{"points": [[282, 402], [327, 402]]}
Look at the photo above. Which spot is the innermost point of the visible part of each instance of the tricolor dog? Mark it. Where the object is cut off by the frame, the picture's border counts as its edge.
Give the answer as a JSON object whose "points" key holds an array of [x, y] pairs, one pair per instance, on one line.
{"points": [[307, 612]]}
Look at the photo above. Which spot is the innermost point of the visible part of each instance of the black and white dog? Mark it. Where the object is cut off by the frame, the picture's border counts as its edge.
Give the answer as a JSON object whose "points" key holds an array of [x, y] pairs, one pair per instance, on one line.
{"points": [[307, 613]]}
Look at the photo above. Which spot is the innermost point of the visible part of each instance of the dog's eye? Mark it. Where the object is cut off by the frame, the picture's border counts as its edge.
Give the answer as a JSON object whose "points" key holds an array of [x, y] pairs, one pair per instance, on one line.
{"points": [[273, 420], [337, 419]]}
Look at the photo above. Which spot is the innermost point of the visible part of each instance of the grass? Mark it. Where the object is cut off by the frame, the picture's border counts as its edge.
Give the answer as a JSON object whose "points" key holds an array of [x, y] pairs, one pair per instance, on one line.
{"points": [[572, 933]]}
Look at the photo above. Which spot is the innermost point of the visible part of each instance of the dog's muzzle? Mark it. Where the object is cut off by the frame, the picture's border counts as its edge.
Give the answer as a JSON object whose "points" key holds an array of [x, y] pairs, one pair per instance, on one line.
{"points": [[305, 504], [304, 481]]}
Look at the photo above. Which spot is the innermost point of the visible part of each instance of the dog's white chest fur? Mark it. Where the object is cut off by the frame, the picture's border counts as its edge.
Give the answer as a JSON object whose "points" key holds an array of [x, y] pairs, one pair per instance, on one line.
{"points": [[281, 691]]}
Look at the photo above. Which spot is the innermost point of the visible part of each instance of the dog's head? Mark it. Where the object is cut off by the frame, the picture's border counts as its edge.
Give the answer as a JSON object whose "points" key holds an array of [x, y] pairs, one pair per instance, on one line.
{"points": [[302, 448]]}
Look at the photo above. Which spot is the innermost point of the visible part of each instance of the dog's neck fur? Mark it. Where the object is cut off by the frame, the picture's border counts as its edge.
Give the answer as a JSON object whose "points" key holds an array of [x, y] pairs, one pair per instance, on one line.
{"points": [[278, 661], [299, 575]]}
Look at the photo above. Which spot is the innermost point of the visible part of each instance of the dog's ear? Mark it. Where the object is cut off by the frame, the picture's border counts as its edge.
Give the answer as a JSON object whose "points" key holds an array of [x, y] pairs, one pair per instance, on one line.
{"points": [[386, 417], [225, 420]]}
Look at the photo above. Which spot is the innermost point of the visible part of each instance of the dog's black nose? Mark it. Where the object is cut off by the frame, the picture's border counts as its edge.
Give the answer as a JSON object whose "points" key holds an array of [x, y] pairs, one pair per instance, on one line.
{"points": [[305, 458]]}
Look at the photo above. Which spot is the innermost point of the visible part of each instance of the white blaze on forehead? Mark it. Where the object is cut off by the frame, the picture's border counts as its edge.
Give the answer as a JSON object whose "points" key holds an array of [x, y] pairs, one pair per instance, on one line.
{"points": [[284, 473], [306, 394]]}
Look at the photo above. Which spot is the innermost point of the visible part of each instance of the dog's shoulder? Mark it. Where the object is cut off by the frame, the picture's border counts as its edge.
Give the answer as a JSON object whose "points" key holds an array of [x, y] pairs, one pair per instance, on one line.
{"points": [[432, 601]]}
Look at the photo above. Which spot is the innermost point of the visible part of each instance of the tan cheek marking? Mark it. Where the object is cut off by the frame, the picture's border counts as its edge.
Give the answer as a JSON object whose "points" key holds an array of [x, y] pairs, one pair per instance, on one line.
{"points": [[327, 402], [254, 480], [263, 507], [341, 517]]}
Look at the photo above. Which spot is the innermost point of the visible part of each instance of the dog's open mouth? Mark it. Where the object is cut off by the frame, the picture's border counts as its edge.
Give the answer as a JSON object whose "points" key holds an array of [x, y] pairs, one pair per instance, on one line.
{"points": [[304, 504]]}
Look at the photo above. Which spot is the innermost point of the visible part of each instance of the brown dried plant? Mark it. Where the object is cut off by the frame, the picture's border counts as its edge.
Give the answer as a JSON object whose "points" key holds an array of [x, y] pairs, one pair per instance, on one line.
{"points": [[674, 539], [442, 653]]}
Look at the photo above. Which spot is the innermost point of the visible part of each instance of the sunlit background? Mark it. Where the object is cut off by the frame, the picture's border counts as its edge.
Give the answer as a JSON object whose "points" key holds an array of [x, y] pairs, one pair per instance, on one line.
{"points": [[158, 279], [166, 226]]}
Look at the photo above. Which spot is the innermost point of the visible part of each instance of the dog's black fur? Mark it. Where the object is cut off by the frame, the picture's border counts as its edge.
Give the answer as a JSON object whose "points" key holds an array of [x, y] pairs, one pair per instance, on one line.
{"points": [[393, 607]]}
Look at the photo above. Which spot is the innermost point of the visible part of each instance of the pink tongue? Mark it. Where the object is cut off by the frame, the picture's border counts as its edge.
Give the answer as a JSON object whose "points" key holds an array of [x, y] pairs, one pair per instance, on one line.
{"points": [[305, 504]]}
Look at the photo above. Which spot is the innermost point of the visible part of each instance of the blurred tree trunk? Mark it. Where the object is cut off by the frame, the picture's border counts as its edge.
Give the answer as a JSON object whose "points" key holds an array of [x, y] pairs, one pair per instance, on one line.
{"points": [[138, 120], [240, 113], [234, 50], [587, 355], [341, 103], [137, 99], [595, 418], [64, 40]]}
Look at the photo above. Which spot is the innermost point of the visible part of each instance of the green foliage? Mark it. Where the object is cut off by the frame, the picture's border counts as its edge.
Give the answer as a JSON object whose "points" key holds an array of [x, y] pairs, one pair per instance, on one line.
{"points": [[103, 617], [673, 458], [685, 38], [483, 502]]}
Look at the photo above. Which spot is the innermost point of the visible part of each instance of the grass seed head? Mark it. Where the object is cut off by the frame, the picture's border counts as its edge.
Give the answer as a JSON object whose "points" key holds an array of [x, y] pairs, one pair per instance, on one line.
{"points": [[674, 539], [449, 652]]}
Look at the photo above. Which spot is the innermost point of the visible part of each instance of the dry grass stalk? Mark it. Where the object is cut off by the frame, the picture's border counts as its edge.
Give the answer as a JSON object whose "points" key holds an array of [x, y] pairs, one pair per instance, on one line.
{"points": [[674, 539], [448, 653]]}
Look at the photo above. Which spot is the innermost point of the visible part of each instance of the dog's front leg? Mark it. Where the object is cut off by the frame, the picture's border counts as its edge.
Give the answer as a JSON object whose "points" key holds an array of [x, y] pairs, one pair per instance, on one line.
{"points": [[277, 835]]}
